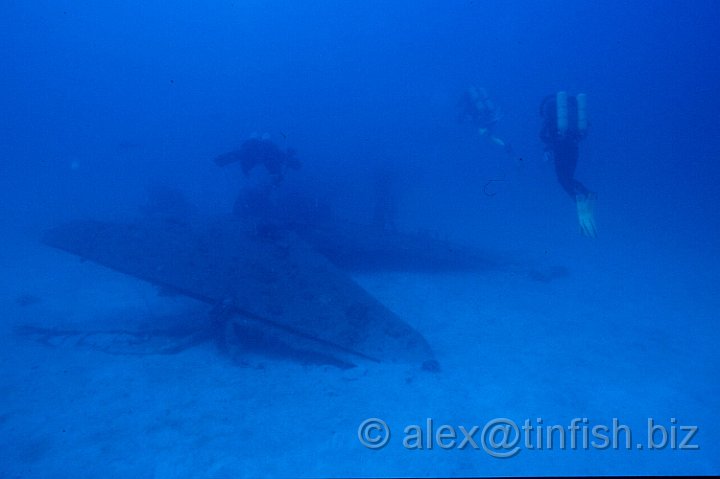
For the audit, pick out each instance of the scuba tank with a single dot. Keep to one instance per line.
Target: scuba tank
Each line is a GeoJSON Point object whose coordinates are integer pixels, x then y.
{"type": "Point", "coordinates": [564, 116]}
{"type": "Point", "coordinates": [561, 106]}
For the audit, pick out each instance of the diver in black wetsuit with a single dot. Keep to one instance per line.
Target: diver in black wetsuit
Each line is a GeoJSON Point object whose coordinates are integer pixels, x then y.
{"type": "Point", "coordinates": [257, 199]}
{"type": "Point", "coordinates": [261, 151]}
{"type": "Point", "coordinates": [564, 125]}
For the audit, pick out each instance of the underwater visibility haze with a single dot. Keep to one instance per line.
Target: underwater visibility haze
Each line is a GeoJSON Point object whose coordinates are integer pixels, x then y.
{"type": "Point", "coordinates": [341, 239]}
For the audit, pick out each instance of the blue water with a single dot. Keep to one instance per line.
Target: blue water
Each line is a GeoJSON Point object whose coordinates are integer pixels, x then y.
{"type": "Point", "coordinates": [102, 100]}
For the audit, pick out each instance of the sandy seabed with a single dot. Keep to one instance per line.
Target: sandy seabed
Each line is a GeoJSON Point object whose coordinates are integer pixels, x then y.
{"type": "Point", "coordinates": [633, 342]}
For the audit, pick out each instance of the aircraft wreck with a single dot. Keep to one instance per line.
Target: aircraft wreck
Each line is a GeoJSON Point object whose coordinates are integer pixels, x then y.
{"type": "Point", "coordinates": [287, 286]}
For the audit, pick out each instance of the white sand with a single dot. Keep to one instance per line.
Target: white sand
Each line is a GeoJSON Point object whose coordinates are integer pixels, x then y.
{"type": "Point", "coordinates": [625, 336]}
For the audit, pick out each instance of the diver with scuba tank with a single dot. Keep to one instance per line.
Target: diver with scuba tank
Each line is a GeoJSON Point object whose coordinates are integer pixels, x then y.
{"type": "Point", "coordinates": [564, 125]}
{"type": "Point", "coordinates": [476, 108]}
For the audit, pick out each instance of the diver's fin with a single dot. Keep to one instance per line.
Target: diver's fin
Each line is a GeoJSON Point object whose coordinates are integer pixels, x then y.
{"type": "Point", "coordinates": [586, 218]}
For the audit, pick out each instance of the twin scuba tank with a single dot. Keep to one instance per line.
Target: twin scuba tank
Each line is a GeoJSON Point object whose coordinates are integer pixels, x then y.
{"type": "Point", "coordinates": [571, 114]}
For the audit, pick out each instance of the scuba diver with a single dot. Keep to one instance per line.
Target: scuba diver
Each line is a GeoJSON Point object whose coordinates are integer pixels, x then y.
{"type": "Point", "coordinates": [257, 199]}
{"type": "Point", "coordinates": [261, 151]}
{"type": "Point", "coordinates": [564, 125]}
{"type": "Point", "coordinates": [477, 108]}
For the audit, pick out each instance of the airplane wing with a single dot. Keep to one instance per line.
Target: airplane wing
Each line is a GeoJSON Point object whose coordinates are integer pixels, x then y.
{"type": "Point", "coordinates": [274, 280]}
